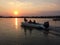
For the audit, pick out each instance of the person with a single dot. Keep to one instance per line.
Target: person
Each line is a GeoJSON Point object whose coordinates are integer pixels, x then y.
{"type": "Point", "coordinates": [34, 22]}
{"type": "Point", "coordinates": [46, 24]}
{"type": "Point", "coordinates": [25, 19]}
{"type": "Point", "coordinates": [30, 21]}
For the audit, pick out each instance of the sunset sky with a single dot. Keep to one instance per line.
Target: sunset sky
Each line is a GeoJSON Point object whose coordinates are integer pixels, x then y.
{"type": "Point", "coordinates": [29, 7]}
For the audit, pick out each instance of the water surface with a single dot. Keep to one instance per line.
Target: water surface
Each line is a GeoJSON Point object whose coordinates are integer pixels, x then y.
{"type": "Point", "coordinates": [11, 33]}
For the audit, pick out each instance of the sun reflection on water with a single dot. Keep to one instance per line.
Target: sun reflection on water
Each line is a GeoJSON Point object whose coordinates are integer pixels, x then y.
{"type": "Point", "coordinates": [16, 23]}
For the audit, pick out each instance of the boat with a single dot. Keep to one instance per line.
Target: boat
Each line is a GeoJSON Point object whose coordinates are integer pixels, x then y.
{"type": "Point", "coordinates": [31, 25]}
{"type": "Point", "coordinates": [56, 19]}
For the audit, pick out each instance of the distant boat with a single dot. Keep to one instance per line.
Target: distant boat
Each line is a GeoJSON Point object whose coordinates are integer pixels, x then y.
{"type": "Point", "coordinates": [56, 19]}
{"type": "Point", "coordinates": [31, 25]}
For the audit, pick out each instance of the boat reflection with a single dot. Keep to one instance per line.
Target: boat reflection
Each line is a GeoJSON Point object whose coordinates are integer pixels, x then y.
{"type": "Point", "coordinates": [27, 29]}
{"type": "Point", "coordinates": [45, 31]}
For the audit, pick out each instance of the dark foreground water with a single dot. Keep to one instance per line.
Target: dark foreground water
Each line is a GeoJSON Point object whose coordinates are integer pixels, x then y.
{"type": "Point", "coordinates": [11, 33]}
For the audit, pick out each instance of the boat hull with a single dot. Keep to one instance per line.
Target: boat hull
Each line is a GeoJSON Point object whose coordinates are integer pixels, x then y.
{"type": "Point", "coordinates": [31, 25]}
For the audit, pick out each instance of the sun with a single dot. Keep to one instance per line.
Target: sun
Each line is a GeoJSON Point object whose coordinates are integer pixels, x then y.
{"type": "Point", "coordinates": [16, 12]}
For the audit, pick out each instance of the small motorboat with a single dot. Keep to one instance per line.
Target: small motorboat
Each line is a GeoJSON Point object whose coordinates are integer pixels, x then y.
{"type": "Point", "coordinates": [32, 25]}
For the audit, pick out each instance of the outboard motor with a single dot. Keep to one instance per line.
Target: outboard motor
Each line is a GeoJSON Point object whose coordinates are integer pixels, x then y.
{"type": "Point", "coordinates": [46, 25]}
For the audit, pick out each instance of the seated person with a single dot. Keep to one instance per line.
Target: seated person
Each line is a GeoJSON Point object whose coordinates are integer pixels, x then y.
{"type": "Point", "coordinates": [34, 22]}
{"type": "Point", "coordinates": [25, 19]}
{"type": "Point", "coordinates": [30, 21]}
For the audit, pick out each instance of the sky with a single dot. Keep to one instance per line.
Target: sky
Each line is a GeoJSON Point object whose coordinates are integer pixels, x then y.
{"type": "Point", "coordinates": [29, 7]}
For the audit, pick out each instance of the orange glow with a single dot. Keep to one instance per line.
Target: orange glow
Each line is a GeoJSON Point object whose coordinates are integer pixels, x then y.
{"type": "Point", "coordinates": [16, 12]}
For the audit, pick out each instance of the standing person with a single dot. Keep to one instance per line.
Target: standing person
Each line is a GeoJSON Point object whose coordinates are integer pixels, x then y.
{"type": "Point", "coordinates": [25, 19]}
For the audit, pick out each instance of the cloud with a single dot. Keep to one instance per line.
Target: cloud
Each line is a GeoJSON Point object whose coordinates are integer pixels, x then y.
{"type": "Point", "coordinates": [45, 13]}
{"type": "Point", "coordinates": [31, 6]}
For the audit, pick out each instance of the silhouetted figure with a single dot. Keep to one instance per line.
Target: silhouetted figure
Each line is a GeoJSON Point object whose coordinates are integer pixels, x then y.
{"type": "Point", "coordinates": [46, 25]}
{"type": "Point", "coordinates": [30, 21]}
{"type": "Point", "coordinates": [34, 22]}
{"type": "Point", "coordinates": [25, 19]}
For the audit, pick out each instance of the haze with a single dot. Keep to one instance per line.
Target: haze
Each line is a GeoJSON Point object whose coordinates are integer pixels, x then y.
{"type": "Point", "coordinates": [29, 7]}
